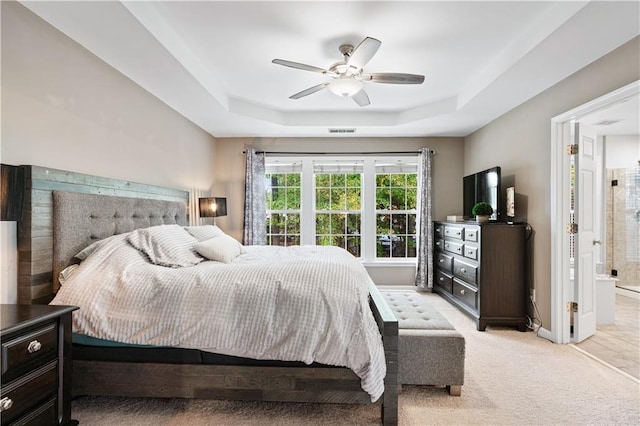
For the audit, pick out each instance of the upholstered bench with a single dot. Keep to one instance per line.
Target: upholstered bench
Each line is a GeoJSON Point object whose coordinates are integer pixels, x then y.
{"type": "Point", "coordinates": [430, 349]}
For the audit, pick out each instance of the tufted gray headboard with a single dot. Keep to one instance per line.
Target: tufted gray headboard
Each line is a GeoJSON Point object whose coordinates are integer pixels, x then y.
{"type": "Point", "coordinates": [81, 219]}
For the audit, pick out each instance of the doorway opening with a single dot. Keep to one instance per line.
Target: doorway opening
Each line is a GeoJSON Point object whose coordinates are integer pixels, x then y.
{"type": "Point", "coordinates": [565, 288]}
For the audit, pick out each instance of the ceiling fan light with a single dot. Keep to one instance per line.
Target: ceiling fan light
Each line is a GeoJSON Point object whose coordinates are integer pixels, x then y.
{"type": "Point", "coordinates": [345, 86]}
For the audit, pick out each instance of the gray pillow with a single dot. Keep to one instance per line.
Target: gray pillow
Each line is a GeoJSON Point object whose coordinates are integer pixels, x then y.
{"type": "Point", "coordinates": [166, 245]}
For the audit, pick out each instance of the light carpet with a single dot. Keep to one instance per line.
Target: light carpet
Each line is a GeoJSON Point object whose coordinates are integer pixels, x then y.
{"type": "Point", "coordinates": [511, 378]}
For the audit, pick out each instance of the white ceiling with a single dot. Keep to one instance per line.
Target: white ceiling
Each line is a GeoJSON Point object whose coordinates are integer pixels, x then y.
{"type": "Point", "coordinates": [621, 118]}
{"type": "Point", "coordinates": [211, 60]}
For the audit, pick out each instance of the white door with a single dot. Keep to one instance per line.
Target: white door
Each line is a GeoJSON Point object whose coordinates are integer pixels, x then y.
{"type": "Point", "coordinates": [584, 289]}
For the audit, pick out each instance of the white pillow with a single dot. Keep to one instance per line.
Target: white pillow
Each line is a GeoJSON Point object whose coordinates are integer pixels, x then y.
{"type": "Point", "coordinates": [166, 245]}
{"type": "Point", "coordinates": [222, 248]}
{"type": "Point", "coordinates": [204, 232]}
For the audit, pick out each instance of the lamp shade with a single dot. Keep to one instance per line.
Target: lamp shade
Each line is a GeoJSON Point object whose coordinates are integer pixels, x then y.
{"type": "Point", "coordinates": [213, 207]}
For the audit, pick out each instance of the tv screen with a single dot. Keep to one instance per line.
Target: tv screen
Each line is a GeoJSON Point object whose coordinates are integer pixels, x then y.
{"type": "Point", "coordinates": [483, 186]}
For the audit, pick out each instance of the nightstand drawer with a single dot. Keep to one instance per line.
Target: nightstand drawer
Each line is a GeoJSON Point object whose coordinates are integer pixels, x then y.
{"type": "Point", "coordinates": [21, 350]}
{"type": "Point", "coordinates": [44, 415]}
{"type": "Point", "coordinates": [24, 394]}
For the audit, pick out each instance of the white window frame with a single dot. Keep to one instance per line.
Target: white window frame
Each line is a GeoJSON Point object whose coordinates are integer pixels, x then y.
{"type": "Point", "coordinates": [368, 203]}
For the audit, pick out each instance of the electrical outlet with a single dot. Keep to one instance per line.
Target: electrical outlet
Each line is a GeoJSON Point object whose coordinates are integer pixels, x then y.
{"type": "Point", "coordinates": [532, 294]}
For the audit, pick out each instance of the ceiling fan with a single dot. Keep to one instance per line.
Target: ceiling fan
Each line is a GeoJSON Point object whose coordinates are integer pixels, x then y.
{"type": "Point", "coordinates": [348, 75]}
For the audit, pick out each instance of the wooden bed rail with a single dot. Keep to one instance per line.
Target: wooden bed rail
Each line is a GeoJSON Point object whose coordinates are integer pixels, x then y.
{"type": "Point", "coordinates": [292, 384]}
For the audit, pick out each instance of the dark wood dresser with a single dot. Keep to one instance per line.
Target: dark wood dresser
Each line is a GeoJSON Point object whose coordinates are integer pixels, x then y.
{"type": "Point", "coordinates": [36, 365]}
{"type": "Point", "coordinates": [480, 268]}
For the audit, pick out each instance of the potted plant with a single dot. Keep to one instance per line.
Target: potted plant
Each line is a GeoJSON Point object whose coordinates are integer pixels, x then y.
{"type": "Point", "coordinates": [482, 211]}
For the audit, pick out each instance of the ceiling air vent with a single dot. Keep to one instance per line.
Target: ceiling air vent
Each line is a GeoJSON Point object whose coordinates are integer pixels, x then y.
{"type": "Point", "coordinates": [606, 122]}
{"type": "Point", "coordinates": [342, 130]}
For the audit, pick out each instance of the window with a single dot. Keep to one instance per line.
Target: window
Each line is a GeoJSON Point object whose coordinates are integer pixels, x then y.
{"type": "Point", "coordinates": [396, 203]}
{"type": "Point", "coordinates": [366, 206]}
{"type": "Point", "coordinates": [338, 204]}
{"type": "Point", "coordinates": [283, 208]}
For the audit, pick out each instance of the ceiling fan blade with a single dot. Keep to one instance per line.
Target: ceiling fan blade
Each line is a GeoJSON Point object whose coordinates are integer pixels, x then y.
{"type": "Point", "coordinates": [310, 90]}
{"type": "Point", "coordinates": [363, 53]}
{"type": "Point", "coordinates": [393, 78]}
{"type": "Point", "coordinates": [361, 98]}
{"type": "Point", "coordinates": [299, 66]}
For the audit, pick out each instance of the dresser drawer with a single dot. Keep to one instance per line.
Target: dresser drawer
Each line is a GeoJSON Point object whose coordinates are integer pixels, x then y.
{"type": "Point", "coordinates": [471, 252]}
{"type": "Point", "coordinates": [438, 231]}
{"type": "Point", "coordinates": [19, 351]}
{"type": "Point", "coordinates": [468, 295]}
{"type": "Point", "coordinates": [456, 232]}
{"type": "Point", "coordinates": [29, 391]}
{"type": "Point", "coordinates": [443, 280]}
{"type": "Point", "coordinates": [439, 244]}
{"type": "Point", "coordinates": [471, 234]}
{"type": "Point", "coordinates": [465, 271]}
{"type": "Point", "coordinates": [453, 247]}
{"type": "Point", "coordinates": [444, 262]}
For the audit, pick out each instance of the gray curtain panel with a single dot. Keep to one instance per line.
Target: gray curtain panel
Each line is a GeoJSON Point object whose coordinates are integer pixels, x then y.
{"type": "Point", "coordinates": [255, 211]}
{"type": "Point", "coordinates": [424, 272]}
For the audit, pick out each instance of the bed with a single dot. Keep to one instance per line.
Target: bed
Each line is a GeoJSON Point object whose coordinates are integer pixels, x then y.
{"type": "Point", "coordinates": [104, 368]}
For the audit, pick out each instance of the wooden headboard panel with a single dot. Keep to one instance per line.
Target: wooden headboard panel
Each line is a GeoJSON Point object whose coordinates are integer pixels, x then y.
{"type": "Point", "coordinates": [35, 231]}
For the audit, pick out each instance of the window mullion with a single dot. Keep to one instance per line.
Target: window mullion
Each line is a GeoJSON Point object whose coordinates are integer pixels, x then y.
{"type": "Point", "coordinates": [368, 211]}
{"type": "Point", "coordinates": [307, 220]}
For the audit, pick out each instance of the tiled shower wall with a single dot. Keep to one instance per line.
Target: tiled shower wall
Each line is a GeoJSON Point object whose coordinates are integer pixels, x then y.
{"type": "Point", "coordinates": [623, 225]}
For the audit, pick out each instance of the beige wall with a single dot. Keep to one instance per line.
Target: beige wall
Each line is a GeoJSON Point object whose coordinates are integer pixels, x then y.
{"type": "Point", "coordinates": [64, 108]}
{"type": "Point", "coordinates": [519, 142]}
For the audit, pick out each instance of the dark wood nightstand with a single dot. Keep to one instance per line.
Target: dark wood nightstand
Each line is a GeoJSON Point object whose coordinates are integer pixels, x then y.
{"type": "Point", "coordinates": [36, 364]}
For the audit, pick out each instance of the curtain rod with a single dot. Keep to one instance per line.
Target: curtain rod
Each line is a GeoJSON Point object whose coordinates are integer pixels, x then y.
{"type": "Point", "coordinates": [337, 153]}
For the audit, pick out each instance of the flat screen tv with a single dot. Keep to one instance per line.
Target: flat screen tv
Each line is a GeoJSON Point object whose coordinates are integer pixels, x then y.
{"type": "Point", "coordinates": [483, 186]}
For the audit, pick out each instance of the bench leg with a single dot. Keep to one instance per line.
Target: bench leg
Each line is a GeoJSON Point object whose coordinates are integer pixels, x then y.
{"type": "Point", "coordinates": [455, 390]}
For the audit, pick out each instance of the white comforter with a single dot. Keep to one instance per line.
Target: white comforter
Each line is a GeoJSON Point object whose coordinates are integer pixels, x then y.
{"type": "Point", "coordinates": [307, 303]}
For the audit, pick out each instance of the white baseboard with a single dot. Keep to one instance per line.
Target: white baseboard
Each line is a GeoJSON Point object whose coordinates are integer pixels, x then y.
{"type": "Point", "coordinates": [628, 293]}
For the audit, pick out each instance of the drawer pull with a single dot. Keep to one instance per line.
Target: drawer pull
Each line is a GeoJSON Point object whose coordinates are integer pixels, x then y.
{"type": "Point", "coordinates": [441, 279]}
{"type": "Point", "coordinates": [464, 271]}
{"type": "Point", "coordinates": [462, 291]}
{"type": "Point", "coordinates": [5, 404]}
{"type": "Point", "coordinates": [34, 346]}
{"type": "Point", "coordinates": [441, 260]}
{"type": "Point", "coordinates": [469, 251]}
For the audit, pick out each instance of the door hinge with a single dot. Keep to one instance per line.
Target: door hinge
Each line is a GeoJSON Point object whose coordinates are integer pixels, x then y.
{"type": "Point", "coordinates": [572, 228]}
{"type": "Point", "coordinates": [572, 306]}
{"type": "Point", "coordinates": [572, 149]}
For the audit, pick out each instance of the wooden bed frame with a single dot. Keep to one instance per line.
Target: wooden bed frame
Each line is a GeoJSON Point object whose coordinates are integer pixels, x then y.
{"type": "Point", "coordinates": [36, 270]}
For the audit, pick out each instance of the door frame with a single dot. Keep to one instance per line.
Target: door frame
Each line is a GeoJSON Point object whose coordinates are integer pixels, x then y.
{"type": "Point", "coordinates": [561, 289]}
